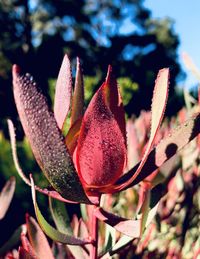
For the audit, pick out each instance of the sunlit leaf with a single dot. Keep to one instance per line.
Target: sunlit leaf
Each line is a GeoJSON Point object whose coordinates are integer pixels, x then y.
{"type": "Point", "coordinates": [159, 101]}
{"type": "Point", "coordinates": [63, 92]}
{"type": "Point", "coordinates": [126, 226]}
{"type": "Point", "coordinates": [101, 151]}
{"type": "Point", "coordinates": [78, 96]}
{"type": "Point", "coordinates": [122, 242]}
{"type": "Point", "coordinates": [190, 65]}
{"type": "Point", "coordinates": [6, 196]}
{"type": "Point", "coordinates": [166, 149]}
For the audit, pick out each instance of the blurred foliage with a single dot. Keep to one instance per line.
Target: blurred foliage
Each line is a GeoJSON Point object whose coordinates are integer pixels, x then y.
{"type": "Point", "coordinates": [35, 35]}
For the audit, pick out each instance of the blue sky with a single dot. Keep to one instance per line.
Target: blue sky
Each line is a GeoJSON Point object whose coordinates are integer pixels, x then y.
{"type": "Point", "coordinates": [186, 15]}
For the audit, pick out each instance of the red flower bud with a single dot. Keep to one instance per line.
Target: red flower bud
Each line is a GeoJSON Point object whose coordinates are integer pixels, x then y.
{"type": "Point", "coordinates": [101, 150]}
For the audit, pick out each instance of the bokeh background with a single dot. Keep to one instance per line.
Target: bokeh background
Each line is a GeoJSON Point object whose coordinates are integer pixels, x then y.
{"type": "Point", "coordinates": [136, 37]}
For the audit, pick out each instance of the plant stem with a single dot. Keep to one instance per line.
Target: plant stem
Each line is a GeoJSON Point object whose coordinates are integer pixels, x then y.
{"type": "Point", "coordinates": [94, 233]}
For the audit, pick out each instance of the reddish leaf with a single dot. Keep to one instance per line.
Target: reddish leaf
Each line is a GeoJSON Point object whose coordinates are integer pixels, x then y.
{"type": "Point", "coordinates": [126, 226]}
{"type": "Point", "coordinates": [24, 254]}
{"type": "Point", "coordinates": [6, 196]}
{"type": "Point", "coordinates": [114, 101]}
{"type": "Point", "coordinates": [45, 138]}
{"type": "Point", "coordinates": [78, 97]}
{"type": "Point", "coordinates": [27, 246]}
{"type": "Point", "coordinates": [158, 108]}
{"type": "Point", "coordinates": [190, 65]}
{"type": "Point", "coordinates": [37, 239]}
{"type": "Point", "coordinates": [63, 92]}
{"type": "Point", "coordinates": [101, 151]}
{"type": "Point", "coordinates": [166, 149]}
{"type": "Point", "coordinates": [132, 144]}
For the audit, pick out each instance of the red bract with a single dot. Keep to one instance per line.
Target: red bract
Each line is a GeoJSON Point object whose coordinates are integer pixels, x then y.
{"type": "Point", "coordinates": [101, 150]}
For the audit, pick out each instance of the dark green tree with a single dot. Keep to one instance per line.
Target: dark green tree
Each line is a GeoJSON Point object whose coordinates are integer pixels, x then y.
{"type": "Point", "coordinates": [35, 35]}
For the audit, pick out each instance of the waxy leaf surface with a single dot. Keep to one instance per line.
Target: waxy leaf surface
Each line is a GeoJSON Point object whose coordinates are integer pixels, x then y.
{"type": "Point", "coordinates": [101, 152]}
{"type": "Point", "coordinates": [159, 101]}
{"type": "Point", "coordinates": [167, 148]}
{"type": "Point", "coordinates": [45, 138]}
{"type": "Point", "coordinates": [63, 92]}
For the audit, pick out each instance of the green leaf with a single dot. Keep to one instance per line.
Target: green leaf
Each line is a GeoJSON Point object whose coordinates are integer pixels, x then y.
{"type": "Point", "coordinates": [122, 242]}
{"type": "Point", "coordinates": [51, 231]}
{"type": "Point", "coordinates": [62, 222]}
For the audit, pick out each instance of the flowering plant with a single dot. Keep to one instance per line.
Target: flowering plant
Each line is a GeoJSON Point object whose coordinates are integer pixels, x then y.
{"type": "Point", "coordinates": [91, 159]}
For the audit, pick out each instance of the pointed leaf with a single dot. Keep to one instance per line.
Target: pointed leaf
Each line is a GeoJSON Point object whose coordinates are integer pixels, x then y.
{"type": "Point", "coordinates": [63, 92]}
{"type": "Point", "coordinates": [52, 194]}
{"type": "Point", "coordinates": [6, 196]}
{"type": "Point", "coordinates": [144, 210]}
{"type": "Point", "coordinates": [52, 232]}
{"type": "Point", "coordinates": [78, 97]}
{"type": "Point", "coordinates": [159, 101]}
{"type": "Point", "coordinates": [166, 149]}
{"type": "Point", "coordinates": [126, 226]}
{"type": "Point", "coordinates": [62, 222]}
{"type": "Point", "coordinates": [110, 238]}
{"type": "Point", "coordinates": [190, 65]}
{"type": "Point", "coordinates": [37, 239]}
{"type": "Point", "coordinates": [101, 151]}
{"type": "Point", "coordinates": [45, 138]}
{"type": "Point", "coordinates": [114, 101]}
